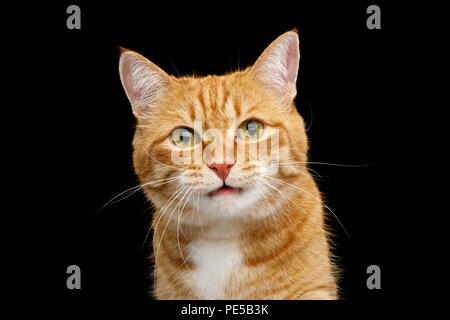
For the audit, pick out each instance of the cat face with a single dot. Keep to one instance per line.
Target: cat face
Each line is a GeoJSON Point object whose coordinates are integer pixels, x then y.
{"type": "Point", "coordinates": [218, 146]}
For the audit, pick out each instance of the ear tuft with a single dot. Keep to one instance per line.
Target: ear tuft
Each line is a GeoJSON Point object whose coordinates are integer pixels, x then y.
{"type": "Point", "coordinates": [277, 67]}
{"type": "Point", "coordinates": [123, 49]}
{"type": "Point", "coordinates": [143, 81]}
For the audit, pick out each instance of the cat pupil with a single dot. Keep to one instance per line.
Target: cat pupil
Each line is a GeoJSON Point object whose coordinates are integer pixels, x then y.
{"type": "Point", "coordinates": [251, 128]}
{"type": "Point", "coordinates": [185, 136]}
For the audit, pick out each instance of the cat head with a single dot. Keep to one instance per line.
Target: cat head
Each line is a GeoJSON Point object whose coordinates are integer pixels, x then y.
{"type": "Point", "coordinates": [218, 146]}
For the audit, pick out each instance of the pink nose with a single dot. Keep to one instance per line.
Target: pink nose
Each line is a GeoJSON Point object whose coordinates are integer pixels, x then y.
{"type": "Point", "coordinates": [221, 169]}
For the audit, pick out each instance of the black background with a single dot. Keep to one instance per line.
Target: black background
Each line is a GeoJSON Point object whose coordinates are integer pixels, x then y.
{"type": "Point", "coordinates": [82, 145]}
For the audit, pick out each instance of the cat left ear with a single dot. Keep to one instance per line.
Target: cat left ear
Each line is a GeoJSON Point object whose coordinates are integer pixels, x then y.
{"type": "Point", "coordinates": [143, 81]}
{"type": "Point", "coordinates": [277, 67]}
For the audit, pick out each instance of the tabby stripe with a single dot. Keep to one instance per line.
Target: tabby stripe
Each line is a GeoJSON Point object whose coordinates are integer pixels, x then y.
{"type": "Point", "coordinates": [201, 101]}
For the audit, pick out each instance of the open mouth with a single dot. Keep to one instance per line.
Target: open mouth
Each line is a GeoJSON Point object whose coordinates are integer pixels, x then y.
{"type": "Point", "coordinates": [224, 189]}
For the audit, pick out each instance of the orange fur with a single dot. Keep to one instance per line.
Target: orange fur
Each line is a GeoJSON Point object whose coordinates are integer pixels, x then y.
{"type": "Point", "coordinates": [277, 246]}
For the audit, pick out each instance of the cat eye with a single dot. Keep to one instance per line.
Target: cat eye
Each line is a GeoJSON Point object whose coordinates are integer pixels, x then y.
{"type": "Point", "coordinates": [250, 130]}
{"type": "Point", "coordinates": [184, 137]}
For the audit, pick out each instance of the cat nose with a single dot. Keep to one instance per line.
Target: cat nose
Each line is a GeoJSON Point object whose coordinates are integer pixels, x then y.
{"type": "Point", "coordinates": [221, 169]}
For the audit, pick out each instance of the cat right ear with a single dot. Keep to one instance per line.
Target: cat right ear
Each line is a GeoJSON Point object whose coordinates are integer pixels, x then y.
{"type": "Point", "coordinates": [143, 81]}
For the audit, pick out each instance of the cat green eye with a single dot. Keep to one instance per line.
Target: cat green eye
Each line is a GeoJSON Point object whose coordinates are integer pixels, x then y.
{"type": "Point", "coordinates": [250, 130]}
{"type": "Point", "coordinates": [184, 137]}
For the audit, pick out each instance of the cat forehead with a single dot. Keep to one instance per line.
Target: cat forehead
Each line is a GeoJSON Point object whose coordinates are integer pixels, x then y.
{"type": "Point", "coordinates": [213, 84]}
{"type": "Point", "coordinates": [216, 98]}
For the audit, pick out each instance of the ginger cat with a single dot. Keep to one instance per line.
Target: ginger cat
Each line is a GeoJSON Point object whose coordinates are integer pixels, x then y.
{"type": "Point", "coordinates": [224, 161]}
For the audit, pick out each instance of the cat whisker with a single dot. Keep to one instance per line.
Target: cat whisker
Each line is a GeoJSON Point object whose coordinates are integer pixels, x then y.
{"type": "Point", "coordinates": [258, 188]}
{"type": "Point", "coordinates": [167, 224]}
{"type": "Point", "coordinates": [129, 192]}
{"type": "Point", "coordinates": [132, 189]}
{"type": "Point", "coordinates": [317, 162]}
{"type": "Point", "coordinates": [330, 164]}
{"type": "Point", "coordinates": [285, 197]}
{"type": "Point", "coordinates": [197, 206]}
{"type": "Point", "coordinates": [312, 172]}
{"type": "Point", "coordinates": [311, 116]}
{"type": "Point", "coordinates": [288, 199]}
{"type": "Point", "coordinates": [178, 227]}
{"type": "Point", "coordinates": [165, 207]}
{"type": "Point", "coordinates": [315, 197]}
{"type": "Point", "coordinates": [173, 65]}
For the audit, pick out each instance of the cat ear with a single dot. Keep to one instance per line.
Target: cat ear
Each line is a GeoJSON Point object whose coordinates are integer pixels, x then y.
{"type": "Point", "coordinates": [277, 67]}
{"type": "Point", "coordinates": [143, 81]}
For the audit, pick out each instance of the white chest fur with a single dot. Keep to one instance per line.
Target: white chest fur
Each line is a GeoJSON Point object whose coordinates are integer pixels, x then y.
{"type": "Point", "coordinates": [215, 261]}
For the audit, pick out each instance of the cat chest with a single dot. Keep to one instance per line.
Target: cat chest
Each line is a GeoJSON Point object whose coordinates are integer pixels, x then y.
{"type": "Point", "coordinates": [215, 262]}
